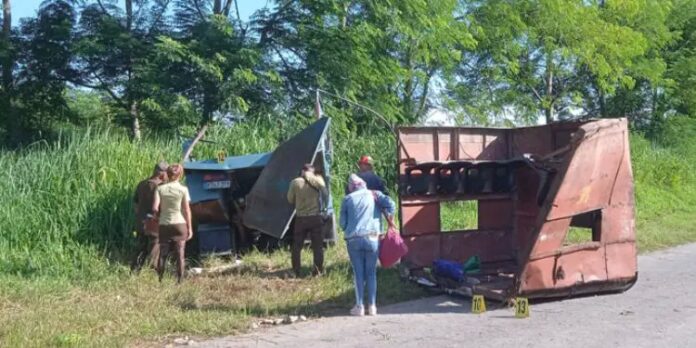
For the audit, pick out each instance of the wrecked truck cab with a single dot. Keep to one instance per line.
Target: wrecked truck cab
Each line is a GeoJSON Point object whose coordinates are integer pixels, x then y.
{"type": "Point", "coordinates": [554, 207]}
{"type": "Point", "coordinates": [241, 202]}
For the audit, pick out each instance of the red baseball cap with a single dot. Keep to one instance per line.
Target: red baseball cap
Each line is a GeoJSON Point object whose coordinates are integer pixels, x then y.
{"type": "Point", "coordinates": [366, 160]}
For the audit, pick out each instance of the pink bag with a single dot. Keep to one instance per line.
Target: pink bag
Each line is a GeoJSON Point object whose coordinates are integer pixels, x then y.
{"type": "Point", "coordinates": [392, 248]}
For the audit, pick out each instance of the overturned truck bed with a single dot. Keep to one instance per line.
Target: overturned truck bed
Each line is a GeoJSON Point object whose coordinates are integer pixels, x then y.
{"type": "Point", "coordinates": [536, 191]}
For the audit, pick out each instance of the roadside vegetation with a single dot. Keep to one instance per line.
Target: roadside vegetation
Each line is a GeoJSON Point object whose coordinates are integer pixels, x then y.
{"type": "Point", "coordinates": [67, 234]}
{"type": "Point", "coordinates": [93, 93]}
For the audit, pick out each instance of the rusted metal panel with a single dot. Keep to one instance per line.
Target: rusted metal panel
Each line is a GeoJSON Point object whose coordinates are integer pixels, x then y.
{"type": "Point", "coordinates": [489, 245]}
{"type": "Point", "coordinates": [422, 250]}
{"type": "Point", "coordinates": [550, 238]}
{"type": "Point", "coordinates": [536, 140]}
{"type": "Point", "coordinates": [621, 260]}
{"type": "Point", "coordinates": [566, 269]}
{"type": "Point", "coordinates": [418, 219]}
{"type": "Point", "coordinates": [495, 214]}
{"type": "Point", "coordinates": [589, 179]}
{"type": "Point", "coordinates": [571, 169]}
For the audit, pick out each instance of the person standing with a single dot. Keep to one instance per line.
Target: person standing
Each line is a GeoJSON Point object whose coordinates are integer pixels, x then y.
{"type": "Point", "coordinates": [305, 194]}
{"type": "Point", "coordinates": [367, 174]}
{"type": "Point", "coordinates": [360, 219]}
{"type": "Point", "coordinates": [171, 203]}
{"type": "Point", "coordinates": [147, 238]}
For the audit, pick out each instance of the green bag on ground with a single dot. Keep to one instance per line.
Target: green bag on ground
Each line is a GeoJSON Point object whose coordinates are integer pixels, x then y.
{"type": "Point", "coordinates": [472, 265]}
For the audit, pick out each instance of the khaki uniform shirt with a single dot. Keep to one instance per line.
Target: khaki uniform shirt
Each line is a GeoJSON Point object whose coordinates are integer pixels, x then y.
{"type": "Point", "coordinates": [304, 197]}
{"type": "Point", "coordinates": [171, 196]}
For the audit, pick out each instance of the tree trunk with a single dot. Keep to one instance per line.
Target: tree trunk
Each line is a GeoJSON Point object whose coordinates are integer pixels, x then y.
{"type": "Point", "coordinates": [133, 103]}
{"type": "Point", "coordinates": [227, 8]}
{"type": "Point", "coordinates": [549, 91]}
{"type": "Point", "coordinates": [135, 119]}
{"type": "Point", "coordinates": [11, 122]}
{"type": "Point", "coordinates": [6, 33]}
{"type": "Point", "coordinates": [217, 7]}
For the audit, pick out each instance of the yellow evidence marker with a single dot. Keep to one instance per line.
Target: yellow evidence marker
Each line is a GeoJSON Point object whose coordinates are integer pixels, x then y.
{"type": "Point", "coordinates": [478, 304]}
{"type": "Point", "coordinates": [521, 307]}
{"type": "Point", "coordinates": [221, 155]}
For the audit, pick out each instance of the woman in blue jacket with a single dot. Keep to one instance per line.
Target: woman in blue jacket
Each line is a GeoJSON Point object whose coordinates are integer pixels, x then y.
{"type": "Point", "coordinates": [360, 220]}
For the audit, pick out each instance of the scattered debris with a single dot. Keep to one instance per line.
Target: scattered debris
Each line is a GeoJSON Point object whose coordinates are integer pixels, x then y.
{"type": "Point", "coordinates": [183, 341]}
{"type": "Point", "coordinates": [218, 270]}
{"type": "Point", "coordinates": [290, 319]}
{"type": "Point", "coordinates": [425, 282]}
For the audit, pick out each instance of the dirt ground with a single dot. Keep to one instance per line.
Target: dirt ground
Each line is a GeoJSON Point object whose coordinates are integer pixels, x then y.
{"type": "Point", "coordinates": [659, 311]}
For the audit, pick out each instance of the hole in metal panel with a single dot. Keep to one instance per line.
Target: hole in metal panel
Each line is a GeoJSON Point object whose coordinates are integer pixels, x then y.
{"type": "Point", "coordinates": [458, 215]}
{"type": "Point", "coordinates": [584, 228]}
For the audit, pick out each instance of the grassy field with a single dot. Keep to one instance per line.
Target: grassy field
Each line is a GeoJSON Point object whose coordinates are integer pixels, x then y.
{"type": "Point", "coordinates": [137, 310]}
{"type": "Point", "coordinates": [65, 236]}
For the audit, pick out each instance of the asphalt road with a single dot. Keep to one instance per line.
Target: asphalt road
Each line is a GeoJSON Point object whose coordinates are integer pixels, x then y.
{"type": "Point", "coordinates": [659, 311]}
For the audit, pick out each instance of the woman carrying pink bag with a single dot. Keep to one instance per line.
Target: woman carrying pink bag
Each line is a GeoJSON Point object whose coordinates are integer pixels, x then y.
{"type": "Point", "coordinates": [360, 220]}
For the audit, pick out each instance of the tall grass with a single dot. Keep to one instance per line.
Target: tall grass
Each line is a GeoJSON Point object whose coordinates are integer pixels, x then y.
{"type": "Point", "coordinates": [66, 205]}
{"type": "Point", "coordinates": [66, 208]}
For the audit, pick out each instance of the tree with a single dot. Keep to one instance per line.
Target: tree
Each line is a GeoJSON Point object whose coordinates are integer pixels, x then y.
{"type": "Point", "coordinates": [384, 54]}
{"type": "Point", "coordinates": [114, 47]}
{"type": "Point", "coordinates": [542, 54]}
{"type": "Point", "coordinates": [207, 62]}
{"type": "Point", "coordinates": [680, 55]}
{"type": "Point", "coordinates": [44, 61]}
{"type": "Point", "coordinates": [36, 58]}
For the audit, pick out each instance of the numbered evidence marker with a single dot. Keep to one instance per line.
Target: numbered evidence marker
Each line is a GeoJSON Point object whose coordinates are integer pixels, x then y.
{"type": "Point", "coordinates": [221, 156]}
{"type": "Point", "coordinates": [521, 307]}
{"type": "Point", "coordinates": [478, 304]}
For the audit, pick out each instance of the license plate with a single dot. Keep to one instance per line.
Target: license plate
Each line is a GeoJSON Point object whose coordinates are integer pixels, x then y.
{"type": "Point", "coordinates": [214, 185]}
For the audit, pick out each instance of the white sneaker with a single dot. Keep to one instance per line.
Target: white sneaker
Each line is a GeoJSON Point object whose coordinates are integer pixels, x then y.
{"type": "Point", "coordinates": [372, 310]}
{"type": "Point", "coordinates": [357, 311]}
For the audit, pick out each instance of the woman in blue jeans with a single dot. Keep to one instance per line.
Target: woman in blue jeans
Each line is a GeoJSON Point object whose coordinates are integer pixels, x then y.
{"type": "Point", "coordinates": [360, 220]}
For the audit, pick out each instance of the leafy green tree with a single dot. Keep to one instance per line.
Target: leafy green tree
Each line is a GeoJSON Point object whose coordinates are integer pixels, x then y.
{"type": "Point", "coordinates": [555, 55]}
{"type": "Point", "coordinates": [36, 60]}
{"type": "Point", "coordinates": [207, 68]}
{"type": "Point", "coordinates": [680, 95]}
{"type": "Point", "coordinates": [387, 55]}
{"type": "Point", "coordinates": [114, 49]}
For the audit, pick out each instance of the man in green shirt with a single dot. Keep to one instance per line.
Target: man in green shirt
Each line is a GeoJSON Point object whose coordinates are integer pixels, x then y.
{"type": "Point", "coordinates": [306, 194]}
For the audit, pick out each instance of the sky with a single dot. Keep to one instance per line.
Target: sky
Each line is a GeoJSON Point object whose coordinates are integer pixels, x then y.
{"type": "Point", "coordinates": [28, 8]}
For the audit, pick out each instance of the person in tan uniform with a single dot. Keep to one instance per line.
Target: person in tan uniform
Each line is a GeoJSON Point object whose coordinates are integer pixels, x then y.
{"type": "Point", "coordinates": [147, 238]}
{"type": "Point", "coordinates": [171, 204]}
{"type": "Point", "coordinates": [305, 195]}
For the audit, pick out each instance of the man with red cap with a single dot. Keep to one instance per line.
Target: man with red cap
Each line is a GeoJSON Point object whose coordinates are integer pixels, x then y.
{"type": "Point", "coordinates": [374, 182]}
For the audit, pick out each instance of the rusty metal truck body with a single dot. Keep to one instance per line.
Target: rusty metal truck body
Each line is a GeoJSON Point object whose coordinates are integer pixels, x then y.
{"type": "Point", "coordinates": [532, 186]}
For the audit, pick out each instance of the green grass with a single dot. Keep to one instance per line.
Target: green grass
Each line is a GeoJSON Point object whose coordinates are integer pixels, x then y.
{"type": "Point", "coordinates": [122, 309]}
{"type": "Point", "coordinates": [66, 232]}
{"type": "Point", "coordinates": [459, 215]}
